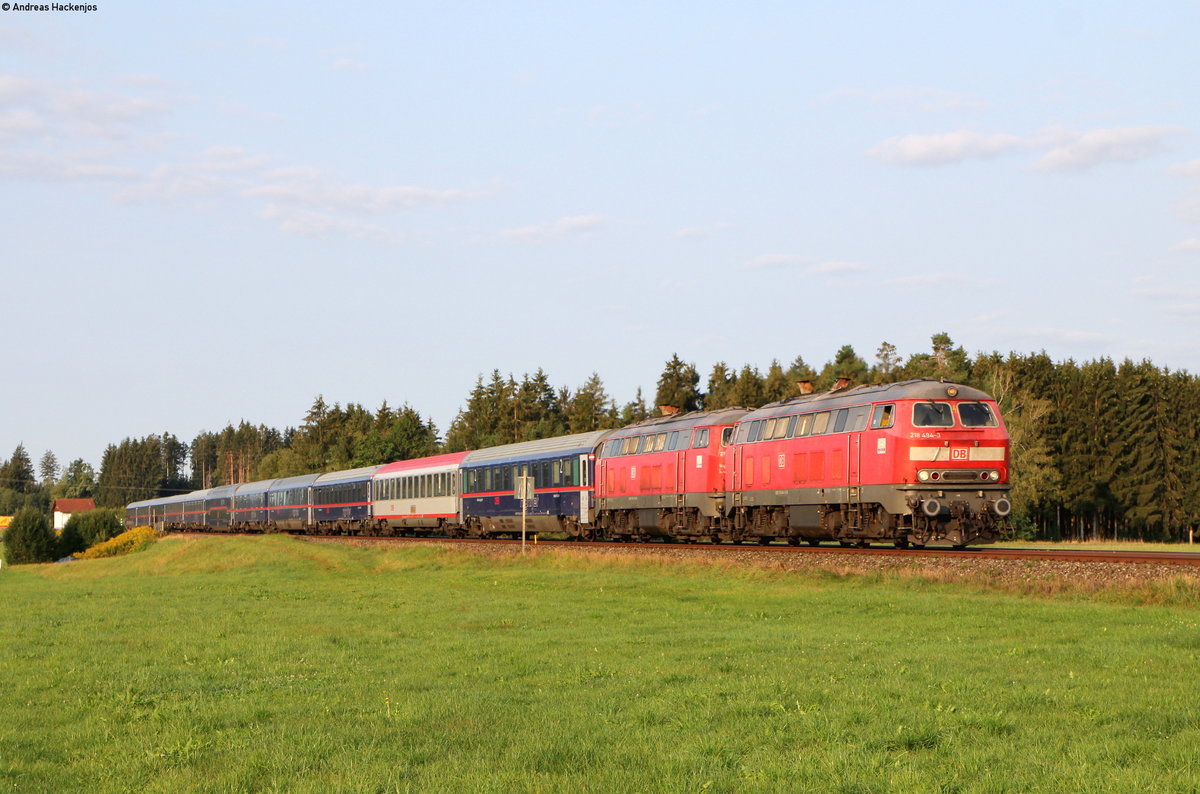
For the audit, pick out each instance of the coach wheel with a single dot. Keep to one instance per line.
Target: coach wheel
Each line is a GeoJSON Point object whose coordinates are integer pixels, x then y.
{"type": "Point", "coordinates": [901, 543]}
{"type": "Point", "coordinates": [845, 544]}
{"type": "Point", "coordinates": [813, 541]}
{"type": "Point", "coordinates": [763, 540]}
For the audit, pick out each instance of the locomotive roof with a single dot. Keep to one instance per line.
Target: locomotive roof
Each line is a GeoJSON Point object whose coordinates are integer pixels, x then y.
{"type": "Point", "coordinates": [662, 424]}
{"type": "Point", "coordinates": [916, 389]}
{"type": "Point", "coordinates": [541, 448]}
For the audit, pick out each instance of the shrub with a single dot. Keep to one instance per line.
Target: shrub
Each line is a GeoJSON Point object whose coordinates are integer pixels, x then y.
{"type": "Point", "coordinates": [135, 539]}
{"type": "Point", "coordinates": [29, 538]}
{"type": "Point", "coordinates": [97, 526]}
{"type": "Point", "coordinates": [71, 541]}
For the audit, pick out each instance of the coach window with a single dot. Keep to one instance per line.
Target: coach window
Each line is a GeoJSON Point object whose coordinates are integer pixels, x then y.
{"type": "Point", "coordinates": [701, 439]}
{"type": "Point", "coordinates": [976, 415]}
{"type": "Point", "coordinates": [931, 414]}
{"type": "Point", "coordinates": [885, 417]}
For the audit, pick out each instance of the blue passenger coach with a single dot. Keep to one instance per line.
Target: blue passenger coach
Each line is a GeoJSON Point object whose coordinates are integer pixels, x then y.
{"type": "Point", "coordinates": [342, 500]}
{"type": "Point", "coordinates": [289, 503]}
{"type": "Point", "coordinates": [562, 470]}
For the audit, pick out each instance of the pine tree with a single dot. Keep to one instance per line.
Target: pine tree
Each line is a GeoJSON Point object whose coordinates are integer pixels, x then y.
{"type": "Point", "coordinates": [677, 386]}
{"type": "Point", "coordinates": [777, 385]}
{"type": "Point", "coordinates": [588, 407]}
{"type": "Point", "coordinates": [48, 468]}
{"type": "Point", "coordinates": [18, 471]}
{"type": "Point", "coordinates": [747, 390]}
{"type": "Point", "coordinates": [719, 391]}
{"type": "Point", "coordinates": [887, 364]}
{"type": "Point", "coordinates": [846, 364]}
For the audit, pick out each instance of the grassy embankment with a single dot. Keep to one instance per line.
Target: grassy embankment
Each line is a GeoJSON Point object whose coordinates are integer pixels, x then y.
{"type": "Point", "coordinates": [234, 664]}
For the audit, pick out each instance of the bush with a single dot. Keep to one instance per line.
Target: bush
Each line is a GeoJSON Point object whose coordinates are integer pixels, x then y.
{"type": "Point", "coordinates": [90, 528]}
{"type": "Point", "coordinates": [135, 539]}
{"type": "Point", "coordinates": [30, 539]}
{"type": "Point", "coordinates": [70, 540]}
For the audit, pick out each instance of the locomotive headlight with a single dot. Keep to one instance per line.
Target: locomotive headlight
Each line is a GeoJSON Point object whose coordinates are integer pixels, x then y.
{"type": "Point", "coordinates": [994, 475]}
{"type": "Point", "coordinates": [923, 475]}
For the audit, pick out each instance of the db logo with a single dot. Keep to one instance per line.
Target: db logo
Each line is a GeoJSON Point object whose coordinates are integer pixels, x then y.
{"type": "Point", "coordinates": [958, 454]}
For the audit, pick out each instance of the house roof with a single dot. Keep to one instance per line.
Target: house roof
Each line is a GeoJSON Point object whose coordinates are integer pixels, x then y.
{"type": "Point", "coordinates": [74, 505]}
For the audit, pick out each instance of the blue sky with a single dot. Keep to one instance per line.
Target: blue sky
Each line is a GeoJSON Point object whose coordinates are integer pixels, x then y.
{"type": "Point", "coordinates": [216, 211]}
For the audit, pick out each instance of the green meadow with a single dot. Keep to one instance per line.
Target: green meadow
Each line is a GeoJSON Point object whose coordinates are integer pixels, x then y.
{"type": "Point", "coordinates": [274, 664]}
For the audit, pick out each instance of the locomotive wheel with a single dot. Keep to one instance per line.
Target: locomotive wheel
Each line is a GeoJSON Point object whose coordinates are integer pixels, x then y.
{"type": "Point", "coordinates": [901, 543]}
{"type": "Point", "coordinates": [813, 541]}
{"type": "Point", "coordinates": [763, 540]}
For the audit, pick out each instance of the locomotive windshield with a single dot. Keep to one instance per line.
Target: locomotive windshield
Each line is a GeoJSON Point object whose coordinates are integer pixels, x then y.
{"type": "Point", "coordinates": [976, 415]}
{"type": "Point", "coordinates": [933, 415]}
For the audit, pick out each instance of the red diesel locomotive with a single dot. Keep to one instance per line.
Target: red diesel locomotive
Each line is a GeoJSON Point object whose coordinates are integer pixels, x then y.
{"type": "Point", "coordinates": [910, 463]}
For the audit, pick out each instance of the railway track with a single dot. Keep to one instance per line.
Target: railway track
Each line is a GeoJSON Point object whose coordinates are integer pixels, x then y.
{"type": "Point", "coordinates": [1183, 558]}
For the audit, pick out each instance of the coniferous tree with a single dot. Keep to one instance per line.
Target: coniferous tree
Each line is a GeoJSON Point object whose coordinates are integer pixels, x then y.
{"type": "Point", "coordinates": [777, 385]}
{"type": "Point", "coordinates": [48, 468]}
{"type": "Point", "coordinates": [78, 481]}
{"type": "Point", "coordinates": [17, 473]}
{"type": "Point", "coordinates": [719, 391]}
{"type": "Point", "coordinates": [747, 390]}
{"type": "Point", "coordinates": [887, 364]}
{"type": "Point", "coordinates": [635, 411]}
{"type": "Point", "coordinates": [589, 407]}
{"type": "Point", "coordinates": [29, 538]}
{"type": "Point", "coordinates": [846, 364]}
{"type": "Point", "coordinates": [677, 386]}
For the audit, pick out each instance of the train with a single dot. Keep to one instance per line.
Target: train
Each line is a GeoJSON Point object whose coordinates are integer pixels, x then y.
{"type": "Point", "coordinates": [909, 464]}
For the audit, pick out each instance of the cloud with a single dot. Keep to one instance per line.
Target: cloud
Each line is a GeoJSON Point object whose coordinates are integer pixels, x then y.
{"type": "Point", "coordinates": [306, 223]}
{"type": "Point", "coordinates": [1062, 150]}
{"type": "Point", "coordinates": [349, 65]}
{"type": "Point", "coordinates": [1086, 150]}
{"type": "Point", "coordinates": [1190, 170]}
{"type": "Point", "coordinates": [313, 188]}
{"type": "Point", "coordinates": [1187, 245]}
{"type": "Point", "coordinates": [944, 148]}
{"type": "Point", "coordinates": [563, 227]}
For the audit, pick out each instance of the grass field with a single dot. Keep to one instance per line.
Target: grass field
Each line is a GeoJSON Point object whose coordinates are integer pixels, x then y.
{"type": "Point", "coordinates": [272, 664]}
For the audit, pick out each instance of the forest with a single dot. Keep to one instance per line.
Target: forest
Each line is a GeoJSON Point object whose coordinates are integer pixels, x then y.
{"type": "Point", "coordinates": [1099, 449]}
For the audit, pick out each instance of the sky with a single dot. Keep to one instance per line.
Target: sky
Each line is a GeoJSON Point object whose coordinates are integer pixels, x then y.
{"type": "Point", "coordinates": [216, 211]}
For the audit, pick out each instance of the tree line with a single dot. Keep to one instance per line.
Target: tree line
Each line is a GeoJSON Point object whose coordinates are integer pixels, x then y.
{"type": "Point", "coordinates": [1099, 450]}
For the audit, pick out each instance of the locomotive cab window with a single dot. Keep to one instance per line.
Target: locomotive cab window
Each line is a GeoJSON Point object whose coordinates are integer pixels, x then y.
{"type": "Point", "coordinates": [976, 415]}
{"type": "Point", "coordinates": [701, 439]}
{"type": "Point", "coordinates": [885, 417]}
{"type": "Point", "coordinates": [933, 414]}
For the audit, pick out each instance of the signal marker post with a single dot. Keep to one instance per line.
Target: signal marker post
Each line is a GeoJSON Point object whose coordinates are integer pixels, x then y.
{"type": "Point", "coordinates": [524, 492]}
